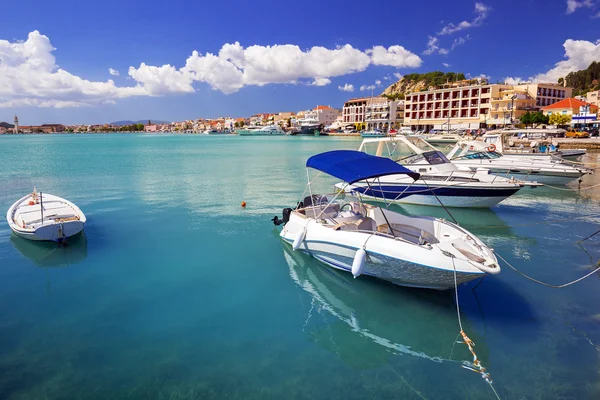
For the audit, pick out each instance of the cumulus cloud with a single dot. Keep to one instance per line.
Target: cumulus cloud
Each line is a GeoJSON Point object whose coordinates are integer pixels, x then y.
{"type": "Point", "coordinates": [377, 83]}
{"type": "Point", "coordinates": [509, 80]}
{"type": "Point", "coordinates": [398, 75]}
{"type": "Point", "coordinates": [367, 87]}
{"type": "Point", "coordinates": [579, 55]}
{"type": "Point", "coordinates": [433, 47]}
{"type": "Point", "coordinates": [113, 72]}
{"type": "Point", "coordinates": [481, 13]}
{"type": "Point", "coordinates": [394, 56]}
{"type": "Point", "coordinates": [573, 5]}
{"type": "Point", "coordinates": [29, 74]}
{"type": "Point", "coordinates": [347, 88]}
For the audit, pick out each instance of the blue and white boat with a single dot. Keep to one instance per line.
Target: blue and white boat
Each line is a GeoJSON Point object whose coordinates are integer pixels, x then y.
{"type": "Point", "coordinates": [440, 182]}
{"type": "Point", "coordinates": [347, 234]}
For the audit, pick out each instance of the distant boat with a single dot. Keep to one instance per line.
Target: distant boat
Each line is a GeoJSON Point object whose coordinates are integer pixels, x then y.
{"type": "Point", "coordinates": [270, 130]}
{"type": "Point", "coordinates": [447, 138]}
{"type": "Point", "coordinates": [373, 133]}
{"type": "Point", "coordinates": [43, 216]}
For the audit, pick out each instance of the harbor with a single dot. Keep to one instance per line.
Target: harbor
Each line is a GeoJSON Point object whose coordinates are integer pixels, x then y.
{"type": "Point", "coordinates": [173, 288]}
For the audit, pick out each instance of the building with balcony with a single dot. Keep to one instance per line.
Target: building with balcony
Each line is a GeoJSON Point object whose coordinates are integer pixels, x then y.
{"type": "Point", "coordinates": [354, 111]}
{"type": "Point", "coordinates": [593, 98]}
{"type": "Point", "coordinates": [380, 113]}
{"type": "Point", "coordinates": [320, 115]}
{"type": "Point", "coordinates": [470, 105]}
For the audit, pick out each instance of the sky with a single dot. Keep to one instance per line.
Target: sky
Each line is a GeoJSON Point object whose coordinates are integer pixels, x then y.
{"type": "Point", "coordinates": [93, 62]}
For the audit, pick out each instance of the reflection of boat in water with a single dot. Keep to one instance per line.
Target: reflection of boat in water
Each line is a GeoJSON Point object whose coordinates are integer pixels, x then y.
{"type": "Point", "coordinates": [376, 319]}
{"type": "Point", "coordinates": [49, 254]}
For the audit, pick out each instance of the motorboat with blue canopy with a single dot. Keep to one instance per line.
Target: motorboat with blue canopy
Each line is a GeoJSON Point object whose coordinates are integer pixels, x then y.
{"type": "Point", "coordinates": [347, 234]}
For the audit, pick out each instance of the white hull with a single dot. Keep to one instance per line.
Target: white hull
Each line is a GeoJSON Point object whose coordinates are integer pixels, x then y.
{"type": "Point", "coordinates": [61, 218]}
{"type": "Point", "coordinates": [528, 173]}
{"type": "Point", "coordinates": [396, 260]}
{"type": "Point", "coordinates": [448, 201]}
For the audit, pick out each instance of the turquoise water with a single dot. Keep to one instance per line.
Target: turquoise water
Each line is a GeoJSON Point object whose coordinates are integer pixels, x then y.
{"type": "Point", "coordinates": [176, 292]}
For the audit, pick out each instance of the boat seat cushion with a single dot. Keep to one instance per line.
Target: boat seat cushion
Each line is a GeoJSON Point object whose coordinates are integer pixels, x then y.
{"type": "Point", "coordinates": [328, 211]}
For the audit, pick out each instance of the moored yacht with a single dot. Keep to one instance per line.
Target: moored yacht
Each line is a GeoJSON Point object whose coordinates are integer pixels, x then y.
{"type": "Point", "coordinates": [269, 130]}
{"type": "Point", "coordinates": [441, 183]}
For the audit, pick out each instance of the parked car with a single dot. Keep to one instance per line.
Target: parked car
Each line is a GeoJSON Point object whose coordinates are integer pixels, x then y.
{"type": "Point", "coordinates": [573, 133]}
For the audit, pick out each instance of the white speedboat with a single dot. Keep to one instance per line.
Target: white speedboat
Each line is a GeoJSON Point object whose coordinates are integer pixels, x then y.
{"type": "Point", "coordinates": [542, 150]}
{"type": "Point", "coordinates": [270, 130]}
{"type": "Point", "coordinates": [477, 154]}
{"type": "Point", "coordinates": [446, 138]}
{"type": "Point", "coordinates": [349, 235]}
{"type": "Point", "coordinates": [441, 183]}
{"type": "Point", "coordinates": [373, 133]}
{"type": "Point", "coordinates": [43, 216]}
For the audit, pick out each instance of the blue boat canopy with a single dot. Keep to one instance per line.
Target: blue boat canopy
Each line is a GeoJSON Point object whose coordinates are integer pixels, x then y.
{"type": "Point", "coordinates": [353, 166]}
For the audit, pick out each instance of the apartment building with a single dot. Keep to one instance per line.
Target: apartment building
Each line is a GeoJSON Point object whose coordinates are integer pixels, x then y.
{"type": "Point", "coordinates": [354, 111]}
{"type": "Point", "coordinates": [380, 113]}
{"type": "Point", "coordinates": [473, 105]}
{"type": "Point", "coordinates": [593, 98]}
{"type": "Point", "coordinates": [320, 115]}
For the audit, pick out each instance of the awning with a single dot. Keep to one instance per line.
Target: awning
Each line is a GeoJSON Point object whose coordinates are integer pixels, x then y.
{"type": "Point", "coordinates": [353, 166]}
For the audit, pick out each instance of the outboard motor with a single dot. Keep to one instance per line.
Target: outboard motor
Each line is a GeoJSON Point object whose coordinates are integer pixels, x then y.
{"type": "Point", "coordinates": [286, 217]}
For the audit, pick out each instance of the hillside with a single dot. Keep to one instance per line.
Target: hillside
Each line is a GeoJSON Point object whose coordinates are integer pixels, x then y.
{"type": "Point", "coordinates": [142, 121]}
{"type": "Point", "coordinates": [416, 82]}
{"type": "Point", "coordinates": [6, 125]}
{"type": "Point", "coordinates": [585, 80]}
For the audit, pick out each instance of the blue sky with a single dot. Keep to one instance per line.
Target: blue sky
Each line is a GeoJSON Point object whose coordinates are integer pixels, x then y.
{"type": "Point", "coordinates": [55, 56]}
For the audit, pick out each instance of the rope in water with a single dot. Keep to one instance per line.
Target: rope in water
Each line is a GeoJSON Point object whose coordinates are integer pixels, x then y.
{"type": "Point", "coordinates": [544, 283]}
{"type": "Point", "coordinates": [478, 368]}
{"type": "Point", "coordinates": [568, 189]}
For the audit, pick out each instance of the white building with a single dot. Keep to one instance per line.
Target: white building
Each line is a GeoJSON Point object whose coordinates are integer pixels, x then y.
{"type": "Point", "coordinates": [320, 115]}
{"type": "Point", "coordinates": [381, 113]}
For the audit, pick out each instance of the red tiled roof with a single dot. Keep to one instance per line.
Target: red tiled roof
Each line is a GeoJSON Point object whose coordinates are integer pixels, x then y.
{"type": "Point", "coordinates": [569, 103]}
{"type": "Point", "coordinates": [322, 108]}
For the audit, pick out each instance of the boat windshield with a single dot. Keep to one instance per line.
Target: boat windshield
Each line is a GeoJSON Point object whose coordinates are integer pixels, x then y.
{"type": "Point", "coordinates": [482, 155]}
{"type": "Point", "coordinates": [429, 157]}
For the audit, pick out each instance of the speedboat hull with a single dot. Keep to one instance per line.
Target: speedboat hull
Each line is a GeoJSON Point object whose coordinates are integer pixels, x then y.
{"type": "Point", "coordinates": [451, 196]}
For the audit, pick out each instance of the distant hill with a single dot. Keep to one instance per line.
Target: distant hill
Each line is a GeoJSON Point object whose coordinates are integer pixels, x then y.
{"type": "Point", "coordinates": [417, 82]}
{"type": "Point", "coordinates": [6, 125]}
{"type": "Point", "coordinates": [142, 121]}
{"type": "Point", "coordinates": [585, 80]}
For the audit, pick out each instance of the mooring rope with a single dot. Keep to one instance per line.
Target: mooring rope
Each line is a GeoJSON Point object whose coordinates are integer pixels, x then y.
{"type": "Point", "coordinates": [478, 368]}
{"type": "Point", "coordinates": [568, 189]}
{"type": "Point", "coordinates": [544, 283]}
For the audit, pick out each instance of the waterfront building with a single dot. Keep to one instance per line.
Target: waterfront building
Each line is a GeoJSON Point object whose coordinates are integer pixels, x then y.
{"type": "Point", "coordinates": [151, 128]}
{"type": "Point", "coordinates": [380, 113]}
{"type": "Point", "coordinates": [581, 112]}
{"type": "Point", "coordinates": [594, 98]}
{"type": "Point", "coordinates": [474, 104]}
{"type": "Point", "coordinates": [353, 112]}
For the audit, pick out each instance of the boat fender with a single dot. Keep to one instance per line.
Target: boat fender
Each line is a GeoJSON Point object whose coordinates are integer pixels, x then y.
{"type": "Point", "coordinates": [358, 264]}
{"type": "Point", "coordinates": [299, 239]}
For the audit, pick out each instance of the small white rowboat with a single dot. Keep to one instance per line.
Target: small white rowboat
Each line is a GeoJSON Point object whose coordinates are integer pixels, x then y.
{"type": "Point", "coordinates": [42, 216]}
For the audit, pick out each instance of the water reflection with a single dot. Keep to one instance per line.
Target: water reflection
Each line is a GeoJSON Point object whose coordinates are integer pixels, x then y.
{"type": "Point", "coordinates": [49, 254]}
{"type": "Point", "coordinates": [376, 320]}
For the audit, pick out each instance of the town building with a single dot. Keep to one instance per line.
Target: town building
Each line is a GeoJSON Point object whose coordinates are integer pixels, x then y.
{"type": "Point", "coordinates": [353, 112]}
{"type": "Point", "coordinates": [151, 128]}
{"type": "Point", "coordinates": [474, 104]}
{"type": "Point", "coordinates": [594, 98]}
{"type": "Point", "coordinates": [581, 112]}
{"type": "Point", "coordinates": [320, 115]}
{"type": "Point", "coordinates": [380, 113]}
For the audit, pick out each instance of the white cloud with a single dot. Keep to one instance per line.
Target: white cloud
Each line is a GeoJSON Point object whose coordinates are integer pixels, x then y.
{"type": "Point", "coordinates": [597, 15]}
{"type": "Point", "coordinates": [481, 13]}
{"type": "Point", "coordinates": [433, 47]}
{"type": "Point", "coordinates": [398, 75]}
{"type": "Point", "coordinates": [29, 74]}
{"type": "Point", "coordinates": [394, 56]}
{"type": "Point", "coordinates": [113, 72]}
{"type": "Point", "coordinates": [367, 87]}
{"type": "Point", "coordinates": [377, 83]}
{"type": "Point", "coordinates": [446, 65]}
{"type": "Point", "coordinates": [347, 88]}
{"type": "Point", "coordinates": [321, 82]}
{"type": "Point", "coordinates": [573, 5]}
{"type": "Point", "coordinates": [458, 41]}
{"type": "Point", "coordinates": [579, 55]}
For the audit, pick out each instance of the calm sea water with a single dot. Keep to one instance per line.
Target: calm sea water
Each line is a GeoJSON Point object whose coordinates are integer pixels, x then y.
{"type": "Point", "coordinates": [176, 292]}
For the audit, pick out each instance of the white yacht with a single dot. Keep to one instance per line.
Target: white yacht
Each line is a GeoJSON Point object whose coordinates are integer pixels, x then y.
{"type": "Point", "coordinates": [541, 148]}
{"type": "Point", "coordinates": [476, 154]}
{"type": "Point", "coordinates": [269, 130]}
{"type": "Point", "coordinates": [363, 239]}
{"type": "Point", "coordinates": [42, 216]}
{"type": "Point", "coordinates": [441, 183]}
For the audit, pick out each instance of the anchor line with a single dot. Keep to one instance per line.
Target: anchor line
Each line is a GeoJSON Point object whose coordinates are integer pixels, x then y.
{"type": "Point", "coordinates": [544, 283]}
{"type": "Point", "coordinates": [477, 366]}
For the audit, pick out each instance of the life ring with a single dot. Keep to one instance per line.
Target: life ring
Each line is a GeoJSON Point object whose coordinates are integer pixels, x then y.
{"type": "Point", "coordinates": [471, 147]}
{"type": "Point", "coordinates": [491, 147]}
{"type": "Point", "coordinates": [468, 131]}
